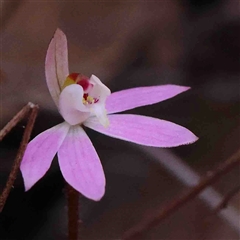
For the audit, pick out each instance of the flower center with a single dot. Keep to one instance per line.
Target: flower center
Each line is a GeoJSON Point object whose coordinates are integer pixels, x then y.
{"type": "Point", "coordinates": [88, 99]}
{"type": "Point", "coordinates": [79, 103]}
{"type": "Point", "coordinates": [83, 81]}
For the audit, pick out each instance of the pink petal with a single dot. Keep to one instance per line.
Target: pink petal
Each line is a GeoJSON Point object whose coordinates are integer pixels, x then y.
{"type": "Point", "coordinates": [80, 164]}
{"type": "Point", "coordinates": [141, 96]}
{"type": "Point", "coordinates": [40, 152]}
{"type": "Point", "coordinates": [50, 72]}
{"type": "Point", "coordinates": [56, 64]}
{"type": "Point", "coordinates": [61, 56]}
{"type": "Point", "coordinates": [144, 130]}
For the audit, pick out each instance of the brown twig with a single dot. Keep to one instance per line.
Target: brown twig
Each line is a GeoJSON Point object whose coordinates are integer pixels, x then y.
{"type": "Point", "coordinates": [16, 119]}
{"type": "Point", "coordinates": [223, 204]}
{"type": "Point", "coordinates": [137, 231]}
{"type": "Point", "coordinates": [73, 212]}
{"type": "Point", "coordinates": [22, 148]}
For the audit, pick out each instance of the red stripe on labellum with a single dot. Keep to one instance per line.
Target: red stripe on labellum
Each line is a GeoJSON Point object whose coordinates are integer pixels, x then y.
{"type": "Point", "coordinates": [85, 95]}
{"type": "Point", "coordinates": [84, 83]}
{"type": "Point", "coordinates": [80, 79]}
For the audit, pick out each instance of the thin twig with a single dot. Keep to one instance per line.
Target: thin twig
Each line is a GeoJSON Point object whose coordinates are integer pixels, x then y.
{"type": "Point", "coordinates": [73, 212]}
{"type": "Point", "coordinates": [21, 150]}
{"type": "Point", "coordinates": [137, 231]}
{"type": "Point", "coordinates": [223, 204]}
{"type": "Point", "coordinates": [15, 120]}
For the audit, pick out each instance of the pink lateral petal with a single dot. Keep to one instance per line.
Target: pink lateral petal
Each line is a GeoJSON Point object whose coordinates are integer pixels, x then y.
{"type": "Point", "coordinates": [56, 64]}
{"type": "Point", "coordinates": [144, 130]}
{"type": "Point", "coordinates": [80, 164]}
{"type": "Point", "coordinates": [141, 96]}
{"type": "Point", "coordinates": [40, 153]}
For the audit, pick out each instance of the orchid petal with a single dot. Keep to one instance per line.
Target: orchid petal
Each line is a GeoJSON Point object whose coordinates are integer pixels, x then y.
{"type": "Point", "coordinates": [61, 56]}
{"type": "Point", "coordinates": [56, 64]}
{"type": "Point", "coordinates": [80, 164]}
{"type": "Point", "coordinates": [50, 72]}
{"type": "Point", "coordinates": [40, 152]}
{"type": "Point", "coordinates": [141, 96]}
{"type": "Point", "coordinates": [100, 91]}
{"type": "Point", "coordinates": [144, 130]}
{"type": "Point", "coordinates": [71, 104]}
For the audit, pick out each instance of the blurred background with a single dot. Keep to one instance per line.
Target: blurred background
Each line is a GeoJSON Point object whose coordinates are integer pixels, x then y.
{"type": "Point", "coordinates": [128, 44]}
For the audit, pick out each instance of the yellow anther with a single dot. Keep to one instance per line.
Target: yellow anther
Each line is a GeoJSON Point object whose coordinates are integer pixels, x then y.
{"type": "Point", "coordinates": [90, 99]}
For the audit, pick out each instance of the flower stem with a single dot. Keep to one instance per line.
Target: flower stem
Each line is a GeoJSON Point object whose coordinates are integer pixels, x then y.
{"type": "Point", "coordinates": [73, 212]}
{"type": "Point", "coordinates": [26, 136]}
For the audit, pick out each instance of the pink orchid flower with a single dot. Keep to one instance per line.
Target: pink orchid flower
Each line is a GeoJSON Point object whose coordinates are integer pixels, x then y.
{"type": "Point", "coordinates": [88, 102]}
